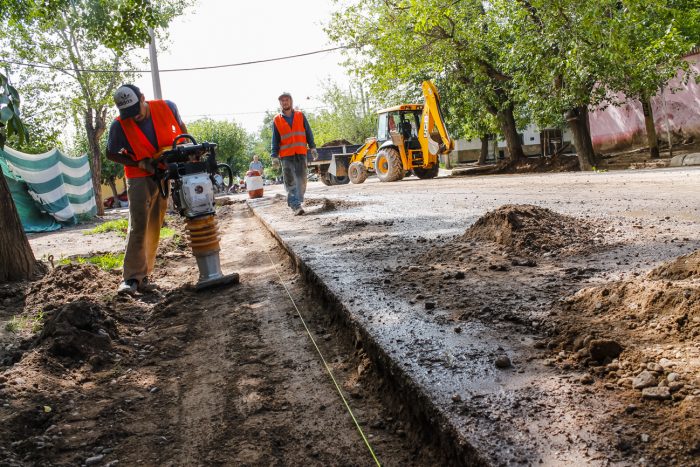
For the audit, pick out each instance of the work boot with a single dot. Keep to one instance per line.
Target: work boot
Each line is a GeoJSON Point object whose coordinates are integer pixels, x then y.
{"type": "Point", "coordinates": [128, 287]}
{"type": "Point", "coordinates": [146, 285]}
{"type": "Point", "coordinates": [299, 211]}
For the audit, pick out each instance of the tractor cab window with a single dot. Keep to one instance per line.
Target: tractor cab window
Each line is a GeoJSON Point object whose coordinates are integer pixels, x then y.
{"type": "Point", "coordinates": [383, 127]}
{"type": "Point", "coordinates": [405, 123]}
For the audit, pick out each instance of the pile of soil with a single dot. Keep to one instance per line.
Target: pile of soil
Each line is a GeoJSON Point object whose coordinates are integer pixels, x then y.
{"type": "Point", "coordinates": [639, 337]}
{"type": "Point", "coordinates": [684, 267]}
{"type": "Point", "coordinates": [562, 163]}
{"type": "Point", "coordinates": [531, 229]}
{"type": "Point", "coordinates": [337, 142]}
{"type": "Point", "coordinates": [71, 282]}
{"type": "Point", "coordinates": [79, 331]}
{"type": "Point", "coordinates": [631, 341]}
{"type": "Point", "coordinates": [325, 205]}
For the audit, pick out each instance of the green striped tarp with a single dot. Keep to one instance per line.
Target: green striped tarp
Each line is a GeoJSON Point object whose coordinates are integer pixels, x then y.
{"type": "Point", "coordinates": [60, 185]}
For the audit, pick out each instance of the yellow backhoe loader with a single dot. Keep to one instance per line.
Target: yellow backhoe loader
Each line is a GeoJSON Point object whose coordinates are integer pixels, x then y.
{"type": "Point", "coordinates": [410, 137]}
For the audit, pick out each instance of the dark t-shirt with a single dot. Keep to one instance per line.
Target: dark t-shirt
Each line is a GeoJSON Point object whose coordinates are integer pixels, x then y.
{"type": "Point", "coordinates": [116, 141]}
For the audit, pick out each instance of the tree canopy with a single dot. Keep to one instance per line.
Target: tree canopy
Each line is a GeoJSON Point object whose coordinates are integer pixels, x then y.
{"type": "Point", "coordinates": [508, 63]}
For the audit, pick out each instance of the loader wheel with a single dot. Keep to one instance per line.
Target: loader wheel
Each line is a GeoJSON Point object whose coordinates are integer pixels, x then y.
{"type": "Point", "coordinates": [388, 166]}
{"type": "Point", "coordinates": [331, 180]}
{"type": "Point", "coordinates": [342, 180]}
{"type": "Point", "coordinates": [422, 173]}
{"type": "Point", "coordinates": [357, 172]}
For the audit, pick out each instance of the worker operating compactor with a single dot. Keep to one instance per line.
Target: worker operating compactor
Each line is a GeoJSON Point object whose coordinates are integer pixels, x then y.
{"type": "Point", "coordinates": [189, 167]}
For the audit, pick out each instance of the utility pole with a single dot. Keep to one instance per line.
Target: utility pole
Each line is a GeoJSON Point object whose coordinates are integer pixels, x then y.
{"type": "Point", "coordinates": [155, 73]}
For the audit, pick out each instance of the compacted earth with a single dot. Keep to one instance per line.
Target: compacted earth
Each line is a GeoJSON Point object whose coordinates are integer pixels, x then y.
{"type": "Point", "coordinates": [226, 376]}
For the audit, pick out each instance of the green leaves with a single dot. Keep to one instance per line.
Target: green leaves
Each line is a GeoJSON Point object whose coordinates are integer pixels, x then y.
{"type": "Point", "coordinates": [543, 57]}
{"type": "Point", "coordinates": [10, 122]}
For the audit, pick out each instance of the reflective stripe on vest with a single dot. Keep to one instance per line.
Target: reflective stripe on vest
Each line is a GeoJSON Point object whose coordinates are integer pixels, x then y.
{"type": "Point", "coordinates": [292, 139]}
{"type": "Point", "coordinates": [166, 128]}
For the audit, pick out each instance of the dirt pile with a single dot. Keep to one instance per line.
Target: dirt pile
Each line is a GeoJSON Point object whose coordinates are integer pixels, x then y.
{"type": "Point", "coordinates": [527, 228]}
{"type": "Point", "coordinates": [79, 330]}
{"type": "Point", "coordinates": [563, 163]}
{"type": "Point", "coordinates": [664, 305]}
{"type": "Point", "coordinates": [337, 142]}
{"type": "Point", "coordinates": [69, 283]}
{"type": "Point", "coordinates": [320, 205]}
{"type": "Point", "coordinates": [684, 267]}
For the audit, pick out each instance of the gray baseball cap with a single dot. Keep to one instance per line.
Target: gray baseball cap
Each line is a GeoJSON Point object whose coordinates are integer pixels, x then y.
{"type": "Point", "coordinates": [284, 94]}
{"type": "Point", "coordinates": [127, 99]}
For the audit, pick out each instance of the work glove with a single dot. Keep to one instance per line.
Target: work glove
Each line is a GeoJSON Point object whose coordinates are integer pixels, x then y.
{"type": "Point", "coordinates": [148, 165]}
{"type": "Point", "coordinates": [275, 162]}
{"type": "Point", "coordinates": [314, 154]}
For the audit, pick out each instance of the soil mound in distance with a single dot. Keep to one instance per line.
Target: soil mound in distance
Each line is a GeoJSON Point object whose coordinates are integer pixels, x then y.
{"type": "Point", "coordinates": [528, 228]}
{"type": "Point", "coordinates": [683, 267]}
{"type": "Point", "coordinates": [337, 142]}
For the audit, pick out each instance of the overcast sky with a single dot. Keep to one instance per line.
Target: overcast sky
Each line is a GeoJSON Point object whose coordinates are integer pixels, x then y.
{"type": "Point", "coordinates": [218, 32]}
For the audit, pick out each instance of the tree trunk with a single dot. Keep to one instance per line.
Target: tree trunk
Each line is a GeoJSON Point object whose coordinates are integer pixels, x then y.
{"type": "Point", "coordinates": [95, 126]}
{"type": "Point", "coordinates": [577, 119]}
{"type": "Point", "coordinates": [113, 185]}
{"type": "Point", "coordinates": [484, 150]}
{"type": "Point", "coordinates": [652, 139]}
{"type": "Point", "coordinates": [16, 255]}
{"type": "Point", "coordinates": [510, 132]}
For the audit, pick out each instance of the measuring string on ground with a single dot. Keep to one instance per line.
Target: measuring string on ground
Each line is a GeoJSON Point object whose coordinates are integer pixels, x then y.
{"type": "Point", "coordinates": [325, 364]}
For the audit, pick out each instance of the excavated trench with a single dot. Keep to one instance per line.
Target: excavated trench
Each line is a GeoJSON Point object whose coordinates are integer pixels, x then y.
{"type": "Point", "coordinates": [399, 392]}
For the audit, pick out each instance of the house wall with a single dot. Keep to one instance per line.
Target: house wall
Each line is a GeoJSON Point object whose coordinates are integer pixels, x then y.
{"type": "Point", "coordinates": [623, 126]}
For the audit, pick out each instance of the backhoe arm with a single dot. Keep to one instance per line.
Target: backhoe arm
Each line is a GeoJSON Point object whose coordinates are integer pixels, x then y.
{"type": "Point", "coordinates": [432, 120]}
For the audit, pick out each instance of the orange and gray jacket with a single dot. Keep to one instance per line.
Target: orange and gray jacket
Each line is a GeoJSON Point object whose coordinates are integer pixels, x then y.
{"type": "Point", "coordinates": [291, 135]}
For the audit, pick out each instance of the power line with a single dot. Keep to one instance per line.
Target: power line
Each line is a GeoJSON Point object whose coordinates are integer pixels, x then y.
{"type": "Point", "coordinates": [211, 67]}
{"type": "Point", "coordinates": [254, 112]}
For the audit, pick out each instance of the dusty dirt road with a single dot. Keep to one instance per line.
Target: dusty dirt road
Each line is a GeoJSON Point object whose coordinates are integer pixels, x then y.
{"type": "Point", "coordinates": [222, 377]}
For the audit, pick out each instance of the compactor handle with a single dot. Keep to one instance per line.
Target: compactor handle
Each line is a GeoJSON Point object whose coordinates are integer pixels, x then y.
{"type": "Point", "coordinates": [183, 136]}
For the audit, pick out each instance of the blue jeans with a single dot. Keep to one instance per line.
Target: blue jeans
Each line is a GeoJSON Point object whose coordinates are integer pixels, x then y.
{"type": "Point", "coordinates": [294, 173]}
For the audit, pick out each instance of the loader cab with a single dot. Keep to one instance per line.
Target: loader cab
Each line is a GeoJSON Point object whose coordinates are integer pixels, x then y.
{"type": "Point", "coordinates": [404, 119]}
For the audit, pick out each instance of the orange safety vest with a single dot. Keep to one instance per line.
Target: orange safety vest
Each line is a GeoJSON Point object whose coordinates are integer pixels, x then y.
{"type": "Point", "coordinates": [166, 128]}
{"type": "Point", "coordinates": [292, 140]}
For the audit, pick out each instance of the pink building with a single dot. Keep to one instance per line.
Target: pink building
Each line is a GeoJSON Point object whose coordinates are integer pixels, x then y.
{"type": "Point", "coordinates": [621, 127]}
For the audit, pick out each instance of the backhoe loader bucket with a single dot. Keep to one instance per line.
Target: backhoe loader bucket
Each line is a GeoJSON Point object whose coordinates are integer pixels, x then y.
{"type": "Point", "coordinates": [338, 166]}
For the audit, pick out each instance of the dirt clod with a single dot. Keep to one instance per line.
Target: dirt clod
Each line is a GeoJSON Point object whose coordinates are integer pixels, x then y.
{"type": "Point", "coordinates": [502, 361]}
{"type": "Point", "coordinates": [601, 349]}
{"type": "Point", "coordinates": [527, 228]}
{"type": "Point", "coordinates": [78, 330]}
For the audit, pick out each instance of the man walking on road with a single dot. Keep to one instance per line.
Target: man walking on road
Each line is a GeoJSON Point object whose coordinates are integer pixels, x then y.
{"type": "Point", "coordinates": [256, 165]}
{"type": "Point", "coordinates": [136, 137]}
{"type": "Point", "coordinates": [291, 134]}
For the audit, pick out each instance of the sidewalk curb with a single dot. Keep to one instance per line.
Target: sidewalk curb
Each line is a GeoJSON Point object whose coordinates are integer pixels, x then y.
{"type": "Point", "coordinates": [685, 160]}
{"type": "Point", "coordinates": [428, 420]}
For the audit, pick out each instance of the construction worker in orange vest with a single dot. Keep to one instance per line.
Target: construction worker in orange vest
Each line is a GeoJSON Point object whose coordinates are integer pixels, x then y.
{"type": "Point", "coordinates": [291, 134]}
{"type": "Point", "coordinates": [142, 129]}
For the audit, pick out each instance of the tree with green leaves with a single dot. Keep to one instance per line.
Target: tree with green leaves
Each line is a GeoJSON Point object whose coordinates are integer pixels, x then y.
{"type": "Point", "coordinates": [347, 115]}
{"type": "Point", "coordinates": [118, 26]}
{"type": "Point", "coordinates": [231, 138]}
{"type": "Point", "coordinates": [649, 51]}
{"type": "Point", "coordinates": [75, 39]}
{"type": "Point", "coordinates": [569, 57]}
{"type": "Point", "coordinates": [398, 43]}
